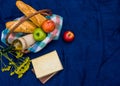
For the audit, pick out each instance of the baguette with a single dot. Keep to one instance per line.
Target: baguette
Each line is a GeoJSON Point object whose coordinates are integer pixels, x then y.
{"type": "Point", "coordinates": [25, 27]}
{"type": "Point", "coordinates": [28, 10]}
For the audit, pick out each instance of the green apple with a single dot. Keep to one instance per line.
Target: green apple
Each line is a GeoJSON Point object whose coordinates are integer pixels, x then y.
{"type": "Point", "coordinates": [39, 34]}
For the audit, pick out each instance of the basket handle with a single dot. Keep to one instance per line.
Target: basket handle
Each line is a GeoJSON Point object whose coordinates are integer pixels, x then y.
{"type": "Point", "coordinates": [44, 12]}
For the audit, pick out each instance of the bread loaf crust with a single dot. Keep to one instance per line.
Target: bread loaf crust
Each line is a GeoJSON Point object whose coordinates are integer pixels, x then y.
{"type": "Point", "coordinates": [28, 10]}
{"type": "Point", "coordinates": [25, 27]}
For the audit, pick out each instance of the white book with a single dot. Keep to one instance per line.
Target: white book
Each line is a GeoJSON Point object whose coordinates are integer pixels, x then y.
{"type": "Point", "coordinates": [46, 64]}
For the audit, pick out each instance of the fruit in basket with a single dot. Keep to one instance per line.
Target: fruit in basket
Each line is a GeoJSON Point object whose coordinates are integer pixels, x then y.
{"type": "Point", "coordinates": [48, 26]}
{"type": "Point", "coordinates": [68, 36]}
{"type": "Point", "coordinates": [39, 34]}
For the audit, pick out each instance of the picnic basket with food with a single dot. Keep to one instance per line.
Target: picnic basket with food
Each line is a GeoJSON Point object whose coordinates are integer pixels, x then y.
{"type": "Point", "coordinates": [29, 33]}
{"type": "Point", "coordinates": [24, 32]}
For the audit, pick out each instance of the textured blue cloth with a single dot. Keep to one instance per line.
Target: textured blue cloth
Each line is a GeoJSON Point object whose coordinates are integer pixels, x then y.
{"type": "Point", "coordinates": [92, 59]}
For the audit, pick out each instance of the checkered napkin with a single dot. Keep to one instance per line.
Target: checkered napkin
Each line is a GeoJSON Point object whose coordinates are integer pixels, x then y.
{"type": "Point", "coordinates": [54, 35]}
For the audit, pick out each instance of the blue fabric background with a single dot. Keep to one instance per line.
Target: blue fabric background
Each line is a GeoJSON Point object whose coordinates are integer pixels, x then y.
{"type": "Point", "coordinates": [92, 59]}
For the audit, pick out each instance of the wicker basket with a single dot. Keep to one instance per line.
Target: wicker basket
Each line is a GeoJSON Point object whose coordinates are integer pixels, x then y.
{"type": "Point", "coordinates": [50, 36]}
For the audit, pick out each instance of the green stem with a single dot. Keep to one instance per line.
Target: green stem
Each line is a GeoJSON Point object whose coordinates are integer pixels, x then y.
{"type": "Point", "coordinates": [6, 56]}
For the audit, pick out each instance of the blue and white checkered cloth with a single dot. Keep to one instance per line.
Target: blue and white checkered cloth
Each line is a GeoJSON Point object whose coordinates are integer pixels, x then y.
{"type": "Point", "coordinates": [38, 45]}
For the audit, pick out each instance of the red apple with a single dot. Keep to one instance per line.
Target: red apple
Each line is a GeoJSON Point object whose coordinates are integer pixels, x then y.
{"type": "Point", "coordinates": [68, 36]}
{"type": "Point", "coordinates": [48, 26]}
